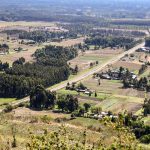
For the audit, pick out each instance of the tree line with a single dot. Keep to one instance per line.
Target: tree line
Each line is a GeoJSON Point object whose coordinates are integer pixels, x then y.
{"type": "Point", "coordinates": [104, 42]}
{"type": "Point", "coordinates": [43, 36]}
{"type": "Point", "coordinates": [116, 33]}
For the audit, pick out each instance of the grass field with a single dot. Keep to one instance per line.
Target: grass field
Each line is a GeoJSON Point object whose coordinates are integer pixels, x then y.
{"type": "Point", "coordinates": [6, 100]}
{"type": "Point", "coordinates": [100, 96]}
{"type": "Point", "coordinates": [26, 121]}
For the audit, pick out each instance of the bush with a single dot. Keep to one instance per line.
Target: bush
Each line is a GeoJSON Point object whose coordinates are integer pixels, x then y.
{"type": "Point", "coordinates": [8, 108]}
{"type": "Point", "coordinates": [46, 119]}
{"type": "Point", "coordinates": [22, 105]}
{"type": "Point", "coordinates": [59, 120]}
{"type": "Point", "coordinates": [145, 139]}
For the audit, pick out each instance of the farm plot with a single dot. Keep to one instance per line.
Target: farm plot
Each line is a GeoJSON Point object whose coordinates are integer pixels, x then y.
{"type": "Point", "coordinates": [132, 66]}
{"type": "Point", "coordinates": [119, 98]}
{"type": "Point", "coordinates": [112, 87]}
{"type": "Point", "coordinates": [118, 103]}
{"type": "Point", "coordinates": [84, 59]}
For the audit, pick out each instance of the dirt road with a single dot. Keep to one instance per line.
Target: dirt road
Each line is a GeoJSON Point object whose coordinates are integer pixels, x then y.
{"type": "Point", "coordinates": [99, 67]}
{"type": "Point", "coordinates": [87, 74]}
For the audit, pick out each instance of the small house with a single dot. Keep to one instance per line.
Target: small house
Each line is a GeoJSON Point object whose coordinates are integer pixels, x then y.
{"type": "Point", "coordinates": [105, 76]}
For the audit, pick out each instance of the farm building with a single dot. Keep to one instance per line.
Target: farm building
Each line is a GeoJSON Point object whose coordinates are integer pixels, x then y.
{"type": "Point", "coordinates": [144, 49]}
{"type": "Point", "coordinates": [115, 75]}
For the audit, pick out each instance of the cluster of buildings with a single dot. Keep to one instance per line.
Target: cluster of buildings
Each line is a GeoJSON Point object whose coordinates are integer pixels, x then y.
{"type": "Point", "coordinates": [115, 75]}
{"type": "Point", "coordinates": [85, 91]}
{"type": "Point", "coordinates": [144, 49]}
{"type": "Point", "coordinates": [102, 115]}
{"type": "Point", "coordinates": [80, 88]}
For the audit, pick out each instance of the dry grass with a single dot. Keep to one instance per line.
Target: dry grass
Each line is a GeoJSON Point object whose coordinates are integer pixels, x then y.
{"type": "Point", "coordinates": [25, 23]}
{"type": "Point", "coordinates": [132, 66]}
{"type": "Point", "coordinates": [69, 42]}
{"type": "Point", "coordinates": [10, 58]}
{"type": "Point", "coordinates": [26, 120]}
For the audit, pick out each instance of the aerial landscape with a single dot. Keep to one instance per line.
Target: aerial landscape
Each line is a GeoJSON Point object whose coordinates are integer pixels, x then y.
{"type": "Point", "coordinates": [74, 75]}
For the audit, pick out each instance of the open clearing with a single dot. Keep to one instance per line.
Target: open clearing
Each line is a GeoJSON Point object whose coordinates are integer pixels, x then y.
{"type": "Point", "coordinates": [68, 42]}
{"type": "Point", "coordinates": [10, 58]}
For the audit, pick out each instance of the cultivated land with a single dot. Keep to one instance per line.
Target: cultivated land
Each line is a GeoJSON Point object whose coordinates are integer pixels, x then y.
{"type": "Point", "coordinates": [87, 73]}
{"type": "Point", "coordinates": [110, 94]}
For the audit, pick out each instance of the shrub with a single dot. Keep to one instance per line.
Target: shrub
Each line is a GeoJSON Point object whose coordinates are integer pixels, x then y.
{"type": "Point", "coordinates": [59, 120]}
{"type": "Point", "coordinates": [46, 119]}
{"type": "Point", "coordinates": [8, 108]}
{"type": "Point", "coordinates": [145, 139]}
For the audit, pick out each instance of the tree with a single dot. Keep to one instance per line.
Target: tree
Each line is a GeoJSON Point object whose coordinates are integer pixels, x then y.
{"type": "Point", "coordinates": [76, 69]}
{"type": "Point", "coordinates": [86, 106]}
{"type": "Point", "coordinates": [91, 65]}
{"type": "Point", "coordinates": [72, 103]}
{"type": "Point", "coordinates": [121, 69]}
{"type": "Point", "coordinates": [62, 104]}
{"type": "Point", "coordinates": [81, 111]}
{"type": "Point", "coordinates": [147, 42]}
{"type": "Point", "coordinates": [95, 94]}
{"type": "Point", "coordinates": [40, 98]}
{"type": "Point", "coordinates": [146, 107]}
{"type": "Point", "coordinates": [81, 86]}
{"type": "Point", "coordinates": [96, 110]}
{"type": "Point", "coordinates": [99, 81]}
{"type": "Point", "coordinates": [97, 62]}
{"type": "Point", "coordinates": [14, 142]}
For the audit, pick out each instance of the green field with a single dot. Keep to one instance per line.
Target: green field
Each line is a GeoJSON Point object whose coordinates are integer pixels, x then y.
{"type": "Point", "coordinates": [100, 96]}
{"type": "Point", "coordinates": [6, 100]}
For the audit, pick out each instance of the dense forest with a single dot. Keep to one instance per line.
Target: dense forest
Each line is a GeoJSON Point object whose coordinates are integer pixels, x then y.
{"type": "Point", "coordinates": [50, 67]}
{"type": "Point", "coordinates": [116, 33]}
